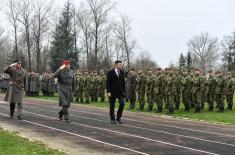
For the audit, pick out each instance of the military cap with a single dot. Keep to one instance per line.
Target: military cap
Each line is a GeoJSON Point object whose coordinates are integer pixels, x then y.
{"type": "Point", "coordinates": [18, 61]}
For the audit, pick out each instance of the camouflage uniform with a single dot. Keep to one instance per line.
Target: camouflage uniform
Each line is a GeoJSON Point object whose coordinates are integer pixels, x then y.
{"type": "Point", "coordinates": [210, 91]}
{"type": "Point", "coordinates": [197, 91]}
{"type": "Point", "coordinates": [178, 87]}
{"type": "Point", "coordinates": [141, 89]}
{"type": "Point", "coordinates": [158, 90]}
{"type": "Point", "coordinates": [220, 91]}
{"type": "Point", "coordinates": [150, 90]}
{"type": "Point", "coordinates": [185, 82]}
{"type": "Point", "coordinates": [230, 86]}
{"type": "Point", "coordinates": [102, 85]}
{"type": "Point", "coordinates": [87, 86]}
{"type": "Point", "coordinates": [170, 91]}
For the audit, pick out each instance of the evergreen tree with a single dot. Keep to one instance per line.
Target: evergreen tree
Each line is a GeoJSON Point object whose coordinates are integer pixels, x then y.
{"type": "Point", "coordinates": [189, 60]}
{"type": "Point", "coordinates": [182, 62]}
{"type": "Point", "coordinates": [63, 40]}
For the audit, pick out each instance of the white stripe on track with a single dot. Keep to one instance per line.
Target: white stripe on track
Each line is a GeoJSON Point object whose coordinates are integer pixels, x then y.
{"type": "Point", "coordinates": [74, 134]}
{"type": "Point", "coordinates": [126, 134]}
{"type": "Point", "coordinates": [137, 127]}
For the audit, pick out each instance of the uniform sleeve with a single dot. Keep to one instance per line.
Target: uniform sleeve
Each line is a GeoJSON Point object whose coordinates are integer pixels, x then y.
{"type": "Point", "coordinates": [8, 70]}
{"type": "Point", "coordinates": [56, 74]}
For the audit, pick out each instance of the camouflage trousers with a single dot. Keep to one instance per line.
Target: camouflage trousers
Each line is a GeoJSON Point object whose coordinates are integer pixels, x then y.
{"type": "Point", "coordinates": [170, 100]}
{"type": "Point", "coordinates": [219, 98]}
{"type": "Point", "coordinates": [229, 99]}
{"type": "Point", "coordinates": [159, 100]}
{"type": "Point", "coordinates": [141, 98]}
{"type": "Point", "coordinates": [177, 100]}
{"type": "Point", "coordinates": [185, 99]}
{"type": "Point", "coordinates": [102, 94]}
{"type": "Point", "coordinates": [210, 100]}
{"type": "Point", "coordinates": [197, 99]}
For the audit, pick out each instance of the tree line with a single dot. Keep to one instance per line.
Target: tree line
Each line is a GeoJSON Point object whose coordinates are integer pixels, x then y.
{"type": "Point", "coordinates": [91, 36]}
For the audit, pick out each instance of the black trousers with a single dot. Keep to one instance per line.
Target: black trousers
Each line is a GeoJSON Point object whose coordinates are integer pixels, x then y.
{"type": "Point", "coordinates": [112, 108]}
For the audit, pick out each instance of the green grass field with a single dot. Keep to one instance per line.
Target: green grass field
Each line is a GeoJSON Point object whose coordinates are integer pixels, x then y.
{"type": "Point", "coordinates": [12, 144]}
{"type": "Point", "coordinates": [226, 117]}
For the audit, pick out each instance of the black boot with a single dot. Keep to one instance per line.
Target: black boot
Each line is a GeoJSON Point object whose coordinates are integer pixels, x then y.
{"type": "Point", "coordinates": [60, 115]}
{"type": "Point", "coordinates": [221, 109]}
{"type": "Point", "coordinates": [230, 106]}
{"type": "Point", "coordinates": [12, 110]}
{"type": "Point", "coordinates": [159, 109]}
{"type": "Point", "coordinates": [150, 108]}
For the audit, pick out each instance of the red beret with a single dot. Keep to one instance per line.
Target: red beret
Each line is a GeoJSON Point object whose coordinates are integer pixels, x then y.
{"type": "Point", "coordinates": [66, 62]}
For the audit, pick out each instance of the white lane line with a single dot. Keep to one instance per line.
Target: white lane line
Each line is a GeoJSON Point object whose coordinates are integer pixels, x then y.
{"type": "Point", "coordinates": [136, 127]}
{"type": "Point", "coordinates": [74, 134]}
{"type": "Point", "coordinates": [187, 123]}
{"type": "Point", "coordinates": [158, 124]}
{"type": "Point", "coordinates": [126, 134]}
{"type": "Point", "coordinates": [169, 119]}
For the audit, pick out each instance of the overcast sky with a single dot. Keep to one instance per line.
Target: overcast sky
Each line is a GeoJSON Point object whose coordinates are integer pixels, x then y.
{"type": "Point", "coordinates": [163, 27]}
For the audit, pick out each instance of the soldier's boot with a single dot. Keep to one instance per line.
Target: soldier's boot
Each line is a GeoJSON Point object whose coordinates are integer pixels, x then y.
{"type": "Point", "coordinates": [186, 108]}
{"type": "Point", "coordinates": [221, 109]}
{"type": "Point", "coordinates": [230, 106]}
{"type": "Point", "coordinates": [177, 106]}
{"type": "Point", "coordinates": [159, 109]}
{"type": "Point", "coordinates": [12, 110]}
{"type": "Point", "coordinates": [202, 106]}
{"type": "Point", "coordinates": [60, 115]}
{"type": "Point", "coordinates": [171, 111]}
{"type": "Point", "coordinates": [196, 109]}
{"type": "Point", "coordinates": [150, 108]}
{"type": "Point", "coordinates": [210, 108]}
{"type": "Point", "coordinates": [141, 106]}
{"type": "Point", "coordinates": [132, 105]}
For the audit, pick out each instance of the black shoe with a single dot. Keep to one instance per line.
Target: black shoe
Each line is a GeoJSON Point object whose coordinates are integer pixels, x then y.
{"type": "Point", "coordinates": [67, 121]}
{"type": "Point", "coordinates": [113, 122]}
{"type": "Point", "coordinates": [60, 116]}
{"type": "Point", "coordinates": [11, 116]}
{"type": "Point", "coordinates": [19, 118]}
{"type": "Point", "coordinates": [119, 121]}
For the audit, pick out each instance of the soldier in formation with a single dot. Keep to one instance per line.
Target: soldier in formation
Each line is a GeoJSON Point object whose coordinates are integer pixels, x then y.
{"type": "Point", "coordinates": [192, 87]}
{"type": "Point", "coordinates": [4, 82]}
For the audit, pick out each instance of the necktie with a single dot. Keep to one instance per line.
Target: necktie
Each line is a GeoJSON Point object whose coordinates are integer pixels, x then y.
{"type": "Point", "coordinates": [118, 73]}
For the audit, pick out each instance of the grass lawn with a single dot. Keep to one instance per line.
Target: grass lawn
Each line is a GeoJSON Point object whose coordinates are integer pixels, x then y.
{"type": "Point", "coordinates": [226, 117]}
{"type": "Point", "coordinates": [12, 144]}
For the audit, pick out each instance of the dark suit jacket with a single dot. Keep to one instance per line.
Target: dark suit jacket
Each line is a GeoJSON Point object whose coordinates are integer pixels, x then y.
{"type": "Point", "coordinates": [115, 85]}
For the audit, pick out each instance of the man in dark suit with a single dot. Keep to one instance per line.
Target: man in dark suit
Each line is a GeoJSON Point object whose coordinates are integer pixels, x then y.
{"type": "Point", "coordinates": [115, 86]}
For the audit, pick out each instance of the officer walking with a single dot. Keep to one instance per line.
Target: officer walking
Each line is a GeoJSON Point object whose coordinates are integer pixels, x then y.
{"type": "Point", "coordinates": [65, 89]}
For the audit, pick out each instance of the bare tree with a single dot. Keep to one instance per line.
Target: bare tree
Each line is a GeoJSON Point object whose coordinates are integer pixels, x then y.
{"type": "Point", "coordinates": [13, 16]}
{"type": "Point", "coordinates": [84, 22]}
{"type": "Point", "coordinates": [100, 10]}
{"type": "Point", "coordinates": [144, 61]}
{"type": "Point", "coordinates": [228, 53]}
{"type": "Point", "coordinates": [25, 16]}
{"type": "Point", "coordinates": [205, 50]}
{"type": "Point", "coordinates": [40, 26]}
{"type": "Point", "coordinates": [5, 49]}
{"type": "Point", "coordinates": [122, 30]}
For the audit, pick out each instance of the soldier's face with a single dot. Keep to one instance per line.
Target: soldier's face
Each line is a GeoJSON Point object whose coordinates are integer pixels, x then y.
{"type": "Point", "coordinates": [18, 66]}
